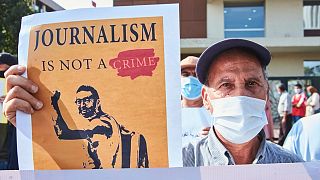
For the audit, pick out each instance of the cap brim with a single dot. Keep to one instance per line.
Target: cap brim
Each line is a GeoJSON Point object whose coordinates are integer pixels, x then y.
{"type": "Point", "coordinates": [208, 56]}
{"type": "Point", "coordinates": [187, 66]}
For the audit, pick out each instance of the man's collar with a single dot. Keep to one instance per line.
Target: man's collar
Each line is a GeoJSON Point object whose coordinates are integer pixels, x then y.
{"type": "Point", "coordinates": [262, 147]}
{"type": "Point", "coordinates": [215, 146]}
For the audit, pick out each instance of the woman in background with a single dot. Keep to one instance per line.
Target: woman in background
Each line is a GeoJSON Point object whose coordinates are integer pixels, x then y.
{"type": "Point", "coordinates": [313, 102]}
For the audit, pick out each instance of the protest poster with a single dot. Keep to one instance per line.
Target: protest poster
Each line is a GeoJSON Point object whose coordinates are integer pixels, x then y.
{"type": "Point", "coordinates": [109, 80]}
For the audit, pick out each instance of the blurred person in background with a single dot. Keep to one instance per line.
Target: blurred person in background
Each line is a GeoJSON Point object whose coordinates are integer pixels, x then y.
{"type": "Point", "coordinates": [284, 110]}
{"type": "Point", "coordinates": [6, 60]}
{"type": "Point", "coordinates": [191, 90]}
{"type": "Point", "coordinates": [298, 103]}
{"type": "Point", "coordinates": [303, 139]}
{"type": "Point", "coordinates": [194, 117]}
{"type": "Point", "coordinates": [190, 85]}
{"type": "Point", "coordinates": [313, 104]}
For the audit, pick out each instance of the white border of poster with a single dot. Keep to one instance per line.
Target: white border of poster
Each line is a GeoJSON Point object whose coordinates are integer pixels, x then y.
{"type": "Point", "coordinates": [170, 14]}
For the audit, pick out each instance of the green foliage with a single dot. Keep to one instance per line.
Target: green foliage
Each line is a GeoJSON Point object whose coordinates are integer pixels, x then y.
{"type": "Point", "coordinates": [10, 21]}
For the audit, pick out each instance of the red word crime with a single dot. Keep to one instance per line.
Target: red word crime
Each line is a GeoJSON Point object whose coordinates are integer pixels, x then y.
{"type": "Point", "coordinates": [135, 63]}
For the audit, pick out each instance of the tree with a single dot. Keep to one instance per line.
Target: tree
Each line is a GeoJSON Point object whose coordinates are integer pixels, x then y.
{"type": "Point", "coordinates": [10, 22]}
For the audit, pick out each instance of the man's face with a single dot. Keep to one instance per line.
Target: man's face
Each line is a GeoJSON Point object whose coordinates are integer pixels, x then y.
{"type": "Point", "coordinates": [297, 89]}
{"type": "Point", "coordinates": [188, 71]}
{"type": "Point", "coordinates": [279, 90]}
{"type": "Point", "coordinates": [87, 104]}
{"type": "Point", "coordinates": [235, 73]}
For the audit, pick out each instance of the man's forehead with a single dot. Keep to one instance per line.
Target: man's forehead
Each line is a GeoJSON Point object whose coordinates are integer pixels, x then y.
{"type": "Point", "coordinates": [234, 58]}
{"type": "Point", "coordinates": [83, 94]}
{"type": "Point", "coordinates": [231, 64]}
{"type": "Point", "coordinates": [188, 69]}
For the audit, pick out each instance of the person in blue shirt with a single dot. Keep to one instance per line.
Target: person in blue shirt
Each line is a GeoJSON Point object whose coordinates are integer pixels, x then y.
{"type": "Point", "coordinates": [303, 139]}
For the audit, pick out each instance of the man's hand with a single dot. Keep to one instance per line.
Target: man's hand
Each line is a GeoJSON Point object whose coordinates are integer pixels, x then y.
{"type": "Point", "coordinates": [205, 131]}
{"type": "Point", "coordinates": [20, 92]}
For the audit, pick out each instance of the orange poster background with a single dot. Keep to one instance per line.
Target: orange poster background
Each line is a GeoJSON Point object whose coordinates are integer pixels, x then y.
{"type": "Point", "coordinates": [137, 104]}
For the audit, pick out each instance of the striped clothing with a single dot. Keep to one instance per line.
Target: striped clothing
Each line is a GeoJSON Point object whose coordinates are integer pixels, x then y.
{"type": "Point", "coordinates": [210, 151]}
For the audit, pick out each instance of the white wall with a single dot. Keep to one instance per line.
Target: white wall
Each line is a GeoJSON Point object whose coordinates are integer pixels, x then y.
{"type": "Point", "coordinates": [289, 64]}
{"type": "Point", "coordinates": [215, 19]}
{"type": "Point", "coordinates": [284, 18]}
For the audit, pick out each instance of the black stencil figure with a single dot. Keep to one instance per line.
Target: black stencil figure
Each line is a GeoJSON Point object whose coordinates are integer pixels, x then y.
{"type": "Point", "coordinates": [110, 145]}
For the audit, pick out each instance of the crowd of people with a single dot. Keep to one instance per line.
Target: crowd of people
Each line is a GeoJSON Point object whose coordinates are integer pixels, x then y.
{"type": "Point", "coordinates": [228, 82]}
{"type": "Point", "coordinates": [228, 132]}
{"type": "Point", "coordinates": [300, 121]}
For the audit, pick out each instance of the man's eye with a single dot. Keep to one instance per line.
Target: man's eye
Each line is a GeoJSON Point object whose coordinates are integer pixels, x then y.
{"type": "Point", "coordinates": [184, 74]}
{"type": "Point", "coordinates": [226, 85]}
{"type": "Point", "coordinates": [252, 83]}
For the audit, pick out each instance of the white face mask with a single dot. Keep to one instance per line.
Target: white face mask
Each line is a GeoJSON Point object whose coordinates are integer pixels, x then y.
{"type": "Point", "coordinates": [297, 91]}
{"type": "Point", "coordinates": [238, 119]}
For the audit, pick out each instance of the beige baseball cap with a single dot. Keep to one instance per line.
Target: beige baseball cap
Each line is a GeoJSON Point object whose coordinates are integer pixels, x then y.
{"type": "Point", "coordinates": [190, 61]}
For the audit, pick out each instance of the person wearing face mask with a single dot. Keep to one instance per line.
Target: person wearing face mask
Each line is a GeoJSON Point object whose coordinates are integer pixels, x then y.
{"type": "Point", "coordinates": [313, 102]}
{"type": "Point", "coordinates": [194, 117]}
{"type": "Point", "coordinates": [235, 92]}
{"type": "Point", "coordinates": [298, 103]}
{"type": "Point", "coordinates": [191, 92]}
{"type": "Point", "coordinates": [190, 85]}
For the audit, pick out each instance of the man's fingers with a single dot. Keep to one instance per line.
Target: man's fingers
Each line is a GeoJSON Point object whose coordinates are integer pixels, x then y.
{"type": "Point", "coordinates": [17, 104]}
{"type": "Point", "coordinates": [15, 80]}
{"type": "Point", "coordinates": [18, 93]}
{"type": "Point", "coordinates": [10, 108]}
{"type": "Point", "coordinates": [15, 70]}
{"type": "Point", "coordinates": [205, 131]}
{"type": "Point", "coordinates": [13, 105]}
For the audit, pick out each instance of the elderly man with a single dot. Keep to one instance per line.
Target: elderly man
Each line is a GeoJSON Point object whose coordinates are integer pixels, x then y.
{"type": "Point", "coordinates": [235, 93]}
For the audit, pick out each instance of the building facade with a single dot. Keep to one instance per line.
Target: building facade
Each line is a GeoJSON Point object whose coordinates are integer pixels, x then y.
{"type": "Point", "coordinates": [290, 29]}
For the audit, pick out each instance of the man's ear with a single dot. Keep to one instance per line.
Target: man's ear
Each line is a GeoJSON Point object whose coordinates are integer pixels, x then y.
{"type": "Point", "coordinates": [268, 90]}
{"type": "Point", "coordinates": [206, 98]}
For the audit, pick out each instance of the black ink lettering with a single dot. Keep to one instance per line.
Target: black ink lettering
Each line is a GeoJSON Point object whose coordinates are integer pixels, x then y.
{"type": "Point", "coordinates": [113, 35]}
{"type": "Point", "coordinates": [44, 37]}
{"type": "Point", "coordinates": [74, 35]}
{"type": "Point", "coordinates": [88, 34]}
{"type": "Point", "coordinates": [58, 36]}
{"type": "Point", "coordinates": [147, 34]}
{"type": "Point", "coordinates": [102, 64]}
{"type": "Point", "coordinates": [102, 34]}
{"type": "Point", "coordinates": [37, 40]}
{"type": "Point", "coordinates": [134, 32]}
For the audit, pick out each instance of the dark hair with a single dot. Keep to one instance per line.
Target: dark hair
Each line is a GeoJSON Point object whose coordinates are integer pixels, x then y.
{"type": "Point", "coordinates": [298, 86]}
{"type": "Point", "coordinates": [89, 88]}
{"type": "Point", "coordinates": [282, 87]}
{"type": "Point", "coordinates": [6, 58]}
